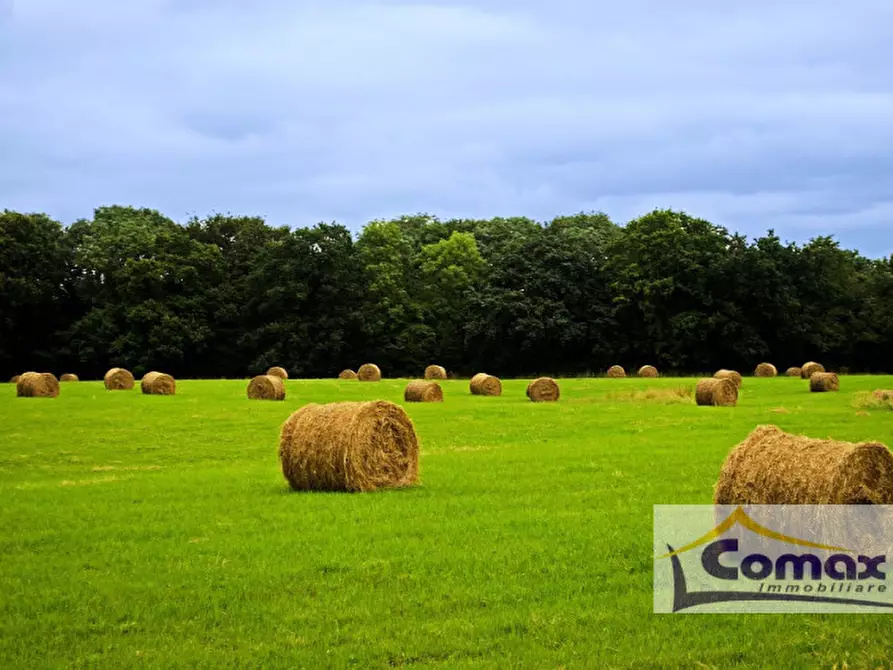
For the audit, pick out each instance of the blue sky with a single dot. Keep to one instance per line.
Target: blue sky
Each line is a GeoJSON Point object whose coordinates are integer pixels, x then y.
{"type": "Point", "coordinates": [754, 114]}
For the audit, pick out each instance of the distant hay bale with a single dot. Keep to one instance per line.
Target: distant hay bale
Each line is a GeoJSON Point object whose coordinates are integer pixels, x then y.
{"type": "Point", "coordinates": [765, 370]}
{"type": "Point", "coordinates": [616, 372]}
{"type": "Point", "coordinates": [276, 371]}
{"type": "Point", "coordinates": [729, 374]}
{"type": "Point", "coordinates": [809, 369]}
{"type": "Point", "coordinates": [435, 372]}
{"type": "Point", "coordinates": [423, 391]}
{"type": "Point", "coordinates": [15, 379]}
{"type": "Point", "coordinates": [118, 379]}
{"type": "Point", "coordinates": [717, 392]}
{"type": "Point", "coordinates": [369, 372]}
{"type": "Point", "coordinates": [484, 384]}
{"type": "Point", "coordinates": [158, 383]}
{"type": "Point", "coordinates": [648, 371]}
{"type": "Point", "coordinates": [821, 382]}
{"type": "Point", "coordinates": [69, 377]}
{"type": "Point", "coordinates": [37, 385]}
{"type": "Point", "coordinates": [772, 467]}
{"type": "Point", "coordinates": [347, 374]}
{"type": "Point", "coordinates": [266, 387]}
{"type": "Point", "coordinates": [349, 446]}
{"type": "Point", "coordinates": [543, 389]}
{"type": "Point", "coordinates": [793, 372]}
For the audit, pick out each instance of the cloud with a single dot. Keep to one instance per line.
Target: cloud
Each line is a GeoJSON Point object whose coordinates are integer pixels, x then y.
{"type": "Point", "coordinates": [756, 116]}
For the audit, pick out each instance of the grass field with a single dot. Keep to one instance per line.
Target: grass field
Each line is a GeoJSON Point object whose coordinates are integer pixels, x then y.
{"type": "Point", "coordinates": [159, 532]}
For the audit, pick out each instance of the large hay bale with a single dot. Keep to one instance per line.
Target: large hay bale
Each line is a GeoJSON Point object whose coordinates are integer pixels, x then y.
{"type": "Point", "coordinates": [266, 387]}
{"type": "Point", "coordinates": [484, 384]}
{"type": "Point", "coordinates": [276, 371]}
{"type": "Point", "coordinates": [15, 379]}
{"type": "Point", "coordinates": [369, 372]}
{"type": "Point", "coordinates": [616, 372]}
{"type": "Point", "coordinates": [37, 385]}
{"type": "Point", "coordinates": [793, 372]}
{"type": "Point", "coordinates": [648, 371]}
{"type": "Point", "coordinates": [435, 372]}
{"type": "Point", "coordinates": [729, 374]}
{"type": "Point", "coordinates": [765, 370]}
{"type": "Point", "coordinates": [717, 392]}
{"type": "Point", "coordinates": [543, 389]}
{"type": "Point", "coordinates": [118, 379]}
{"type": "Point", "coordinates": [347, 374]}
{"type": "Point", "coordinates": [809, 369]}
{"type": "Point", "coordinates": [419, 391]}
{"type": "Point", "coordinates": [821, 382]}
{"type": "Point", "coordinates": [349, 446]}
{"type": "Point", "coordinates": [69, 377]}
{"type": "Point", "coordinates": [158, 383]}
{"type": "Point", "coordinates": [772, 467]}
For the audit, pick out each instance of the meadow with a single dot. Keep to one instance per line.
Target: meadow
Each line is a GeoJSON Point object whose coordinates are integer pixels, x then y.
{"type": "Point", "coordinates": [152, 531]}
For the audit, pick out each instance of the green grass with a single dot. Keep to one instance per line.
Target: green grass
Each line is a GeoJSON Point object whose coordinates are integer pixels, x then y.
{"type": "Point", "coordinates": [158, 532]}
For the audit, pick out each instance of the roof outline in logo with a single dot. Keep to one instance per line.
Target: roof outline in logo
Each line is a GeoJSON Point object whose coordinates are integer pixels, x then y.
{"type": "Point", "coordinates": [740, 517]}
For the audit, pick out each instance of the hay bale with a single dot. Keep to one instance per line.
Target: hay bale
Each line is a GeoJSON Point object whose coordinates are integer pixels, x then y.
{"type": "Point", "coordinates": [821, 382]}
{"type": "Point", "coordinates": [14, 379]}
{"type": "Point", "coordinates": [484, 384]}
{"type": "Point", "coordinates": [37, 385]}
{"type": "Point", "coordinates": [543, 389]}
{"type": "Point", "coordinates": [793, 372]}
{"type": "Point", "coordinates": [266, 387]}
{"type": "Point", "coordinates": [369, 372]}
{"type": "Point", "coordinates": [772, 467]}
{"type": "Point", "coordinates": [68, 377]}
{"type": "Point", "coordinates": [616, 372]}
{"type": "Point", "coordinates": [729, 374]}
{"type": "Point", "coordinates": [419, 391]}
{"type": "Point", "coordinates": [276, 371]}
{"type": "Point", "coordinates": [349, 446]}
{"type": "Point", "coordinates": [809, 369]}
{"type": "Point", "coordinates": [158, 383]}
{"type": "Point", "coordinates": [435, 372]}
{"type": "Point", "coordinates": [118, 379]}
{"type": "Point", "coordinates": [648, 371]}
{"type": "Point", "coordinates": [765, 370]}
{"type": "Point", "coordinates": [717, 392]}
{"type": "Point", "coordinates": [347, 374]}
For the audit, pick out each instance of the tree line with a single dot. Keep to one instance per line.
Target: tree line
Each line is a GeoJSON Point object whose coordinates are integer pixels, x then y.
{"type": "Point", "coordinates": [229, 296]}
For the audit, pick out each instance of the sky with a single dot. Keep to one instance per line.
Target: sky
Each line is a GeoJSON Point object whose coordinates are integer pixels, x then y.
{"type": "Point", "coordinates": [755, 115]}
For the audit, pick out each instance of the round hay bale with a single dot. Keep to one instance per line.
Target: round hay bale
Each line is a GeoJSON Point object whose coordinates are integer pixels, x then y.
{"type": "Point", "coordinates": [716, 392]}
{"type": "Point", "coordinates": [419, 391]}
{"type": "Point", "coordinates": [68, 377]}
{"type": "Point", "coordinates": [266, 387]}
{"type": "Point", "coordinates": [276, 371]}
{"type": "Point", "coordinates": [729, 374]}
{"type": "Point", "coordinates": [821, 382]}
{"type": "Point", "coordinates": [809, 369]}
{"type": "Point", "coordinates": [793, 372]}
{"type": "Point", "coordinates": [435, 372]}
{"type": "Point", "coordinates": [158, 383]}
{"type": "Point", "coordinates": [349, 446]}
{"type": "Point", "coordinates": [616, 372]}
{"type": "Point", "coordinates": [37, 385]}
{"type": "Point", "coordinates": [118, 379]}
{"type": "Point", "coordinates": [369, 372]}
{"type": "Point", "coordinates": [543, 389]}
{"type": "Point", "coordinates": [765, 370]}
{"type": "Point", "coordinates": [772, 467]}
{"type": "Point", "coordinates": [648, 371]}
{"type": "Point", "coordinates": [484, 384]}
{"type": "Point", "coordinates": [15, 379]}
{"type": "Point", "coordinates": [347, 374]}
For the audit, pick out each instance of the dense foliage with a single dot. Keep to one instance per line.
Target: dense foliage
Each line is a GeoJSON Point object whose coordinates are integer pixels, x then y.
{"type": "Point", "coordinates": [229, 296]}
